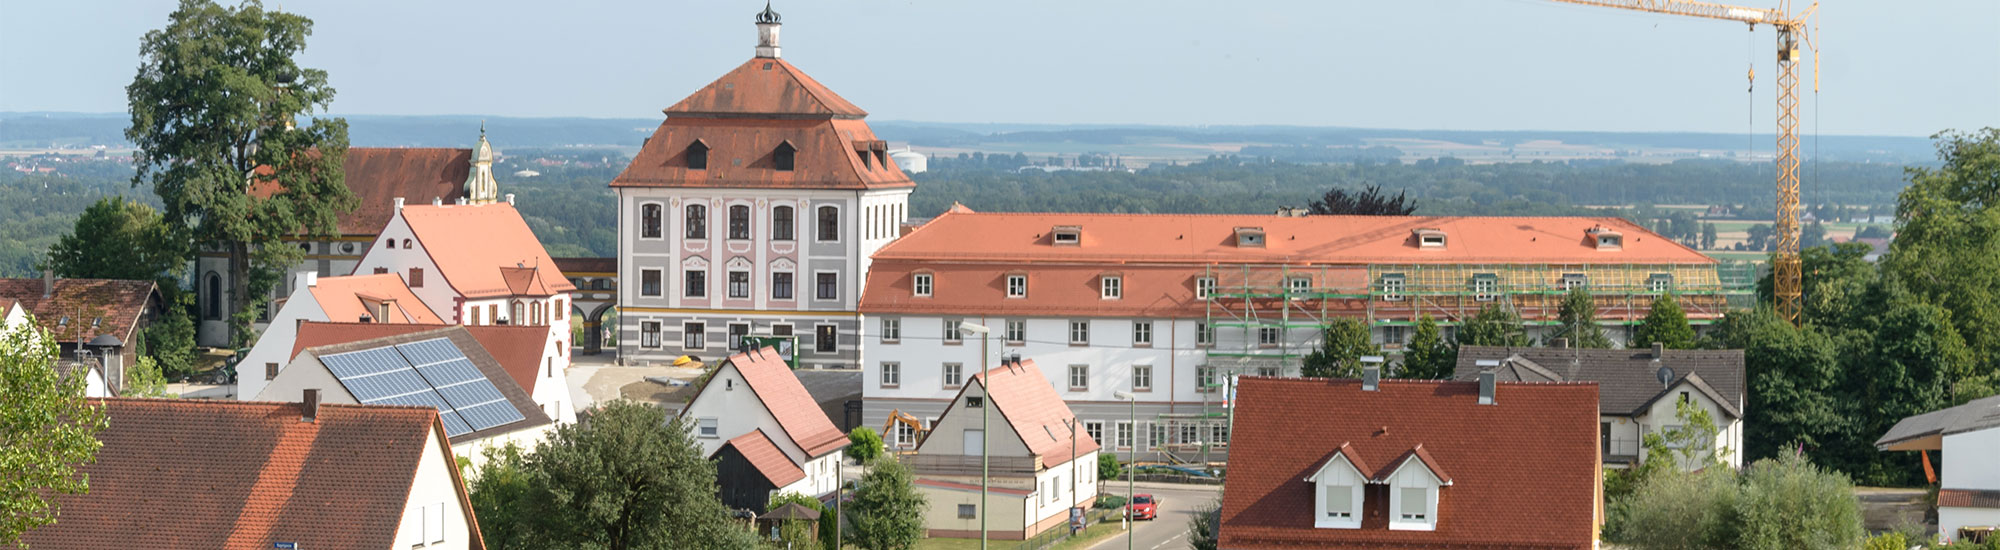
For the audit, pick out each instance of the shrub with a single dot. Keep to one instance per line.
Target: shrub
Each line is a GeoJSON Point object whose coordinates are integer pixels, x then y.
{"type": "Point", "coordinates": [1790, 504]}
{"type": "Point", "coordinates": [1110, 502]}
{"type": "Point", "coordinates": [1678, 512]}
{"type": "Point", "coordinates": [863, 444]}
{"type": "Point", "coordinates": [1107, 466]}
{"type": "Point", "coordinates": [1887, 541]}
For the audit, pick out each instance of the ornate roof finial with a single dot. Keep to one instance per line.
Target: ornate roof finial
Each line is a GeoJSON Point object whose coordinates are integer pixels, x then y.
{"type": "Point", "coordinates": [482, 128]}
{"type": "Point", "coordinates": [767, 16]}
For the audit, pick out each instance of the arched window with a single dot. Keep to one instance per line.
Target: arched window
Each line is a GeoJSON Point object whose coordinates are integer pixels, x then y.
{"type": "Point", "coordinates": [697, 155]}
{"type": "Point", "coordinates": [214, 296]}
{"type": "Point", "coordinates": [392, 243]}
{"type": "Point", "coordinates": [781, 223]}
{"type": "Point", "coordinates": [649, 221]}
{"type": "Point", "coordinates": [519, 315]}
{"type": "Point", "coordinates": [739, 222]}
{"type": "Point", "coordinates": [785, 157]}
{"type": "Point", "coordinates": [829, 224]}
{"type": "Point", "coordinates": [697, 221]}
{"type": "Point", "coordinates": [406, 243]}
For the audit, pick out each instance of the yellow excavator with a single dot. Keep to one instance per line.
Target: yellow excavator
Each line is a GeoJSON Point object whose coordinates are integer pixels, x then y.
{"type": "Point", "coordinates": [917, 429]}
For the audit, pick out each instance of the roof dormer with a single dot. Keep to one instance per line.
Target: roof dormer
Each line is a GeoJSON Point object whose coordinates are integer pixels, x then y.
{"type": "Point", "coordinates": [1429, 238]}
{"type": "Point", "coordinates": [1066, 235]}
{"type": "Point", "coordinates": [1250, 237]}
{"type": "Point", "coordinates": [1338, 494]}
{"type": "Point", "coordinates": [1605, 238]}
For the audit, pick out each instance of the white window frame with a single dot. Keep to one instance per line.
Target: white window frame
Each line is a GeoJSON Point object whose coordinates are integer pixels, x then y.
{"type": "Point", "coordinates": [664, 221]}
{"type": "Point", "coordinates": [818, 337]}
{"type": "Point", "coordinates": [1485, 288]}
{"type": "Point", "coordinates": [708, 427]}
{"type": "Point", "coordinates": [1094, 429]}
{"type": "Point", "coordinates": [953, 375]}
{"type": "Point", "coordinates": [1269, 336]}
{"type": "Point", "coordinates": [1412, 474]}
{"type": "Point", "coordinates": [1079, 377]}
{"type": "Point", "coordinates": [1016, 331]}
{"type": "Point", "coordinates": [836, 285]}
{"type": "Point", "coordinates": [922, 285]}
{"type": "Point", "coordinates": [654, 334]}
{"type": "Point", "coordinates": [1017, 286]}
{"type": "Point", "coordinates": [731, 287]}
{"type": "Point", "coordinates": [1142, 378]}
{"type": "Point", "coordinates": [953, 335]}
{"type": "Point", "coordinates": [1338, 473]}
{"type": "Point", "coordinates": [1204, 287]}
{"type": "Point", "coordinates": [791, 286]}
{"type": "Point", "coordinates": [1124, 434]}
{"type": "Point", "coordinates": [661, 290]}
{"type": "Point", "coordinates": [1204, 334]}
{"type": "Point", "coordinates": [1659, 283]}
{"type": "Point", "coordinates": [892, 330]}
{"type": "Point", "coordinates": [1573, 281]}
{"type": "Point", "coordinates": [1299, 285]}
{"type": "Point", "coordinates": [1111, 287]}
{"type": "Point", "coordinates": [1079, 332]}
{"type": "Point", "coordinates": [1142, 333]}
{"type": "Point", "coordinates": [700, 337]}
{"type": "Point", "coordinates": [890, 374]}
{"type": "Point", "coordinates": [1392, 287]}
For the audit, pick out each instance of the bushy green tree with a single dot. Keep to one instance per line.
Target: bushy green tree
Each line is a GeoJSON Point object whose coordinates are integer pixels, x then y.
{"type": "Point", "coordinates": [828, 535]}
{"type": "Point", "coordinates": [1677, 511]}
{"type": "Point", "coordinates": [1340, 350]}
{"type": "Point", "coordinates": [143, 379]}
{"type": "Point", "coordinates": [499, 489]}
{"type": "Point", "coordinates": [1792, 373]}
{"type": "Point", "coordinates": [1577, 317]}
{"type": "Point", "coordinates": [1205, 526]}
{"type": "Point", "coordinates": [216, 102]}
{"type": "Point", "coordinates": [1108, 466]}
{"type": "Point", "coordinates": [1429, 356]}
{"type": "Point", "coordinates": [1790, 504]}
{"type": "Point", "coordinates": [887, 512]}
{"type": "Point", "coordinates": [1664, 323]}
{"type": "Point", "coordinates": [1493, 326]}
{"type": "Point", "coordinates": [117, 238]}
{"type": "Point", "coordinates": [863, 444]}
{"type": "Point", "coordinates": [1947, 247]}
{"type": "Point", "coordinates": [49, 431]}
{"type": "Point", "coordinates": [624, 477]}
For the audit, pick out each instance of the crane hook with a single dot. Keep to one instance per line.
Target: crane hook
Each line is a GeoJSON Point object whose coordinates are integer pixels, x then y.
{"type": "Point", "coordinates": [1753, 77]}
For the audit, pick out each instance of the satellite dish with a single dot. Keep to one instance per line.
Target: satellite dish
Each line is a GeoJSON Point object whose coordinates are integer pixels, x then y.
{"type": "Point", "coordinates": [1665, 375]}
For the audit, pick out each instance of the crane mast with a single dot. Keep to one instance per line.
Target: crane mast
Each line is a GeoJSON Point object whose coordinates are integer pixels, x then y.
{"type": "Point", "coordinates": [1792, 30]}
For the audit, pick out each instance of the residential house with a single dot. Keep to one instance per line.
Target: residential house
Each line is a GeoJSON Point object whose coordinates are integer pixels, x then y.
{"type": "Point", "coordinates": [1385, 464]}
{"type": "Point", "coordinates": [1967, 438]}
{"type": "Point", "coordinates": [765, 431]}
{"type": "Point", "coordinates": [446, 369]}
{"type": "Point", "coordinates": [254, 476]}
{"type": "Point", "coordinates": [96, 323]}
{"type": "Point", "coordinates": [1640, 391]}
{"type": "Point", "coordinates": [1168, 306]}
{"type": "Point", "coordinates": [1040, 463]}
{"type": "Point", "coordinates": [375, 298]}
{"type": "Point", "coordinates": [753, 209]}
{"type": "Point", "coordinates": [530, 357]}
{"type": "Point", "coordinates": [15, 317]}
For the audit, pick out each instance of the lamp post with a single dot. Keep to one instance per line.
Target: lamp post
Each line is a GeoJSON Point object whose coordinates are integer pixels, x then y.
{"type": "Point", "coordinates": [985, 404]}
{"type": "Point", "coordinates": [1132, 406]}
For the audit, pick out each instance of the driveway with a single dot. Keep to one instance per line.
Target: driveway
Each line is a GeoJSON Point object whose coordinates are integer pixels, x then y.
{"type": "Point", "coordinates": [1177, 504]}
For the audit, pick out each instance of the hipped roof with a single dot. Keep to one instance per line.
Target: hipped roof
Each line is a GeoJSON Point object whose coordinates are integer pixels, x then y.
{"type": "Point", "coordinates": [485, 250]}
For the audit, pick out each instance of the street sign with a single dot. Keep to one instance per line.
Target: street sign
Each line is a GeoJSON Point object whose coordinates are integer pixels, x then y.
{"type": "Point", "coordinates": [1075, 519]}
{"type": "Point", "coordinates": [285, 545]}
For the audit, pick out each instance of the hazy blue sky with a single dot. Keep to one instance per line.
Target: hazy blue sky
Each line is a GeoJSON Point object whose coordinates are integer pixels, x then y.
{"type": "Point", "coordinates": [1891, 67]}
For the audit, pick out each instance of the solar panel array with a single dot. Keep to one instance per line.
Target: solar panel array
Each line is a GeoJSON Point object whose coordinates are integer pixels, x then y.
{"type": "Point", "coordinates": [431, 373]}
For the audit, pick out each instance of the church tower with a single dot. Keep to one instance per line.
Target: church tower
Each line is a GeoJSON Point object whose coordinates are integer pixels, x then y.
{"type": "Point", "coordinates": [480, 187]}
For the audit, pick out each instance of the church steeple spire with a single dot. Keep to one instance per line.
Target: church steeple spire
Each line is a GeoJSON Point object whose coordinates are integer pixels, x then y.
{"type": "Point", "coordinates": [480, 187]}
{"type": "Point", "coordinates": [767, 32]}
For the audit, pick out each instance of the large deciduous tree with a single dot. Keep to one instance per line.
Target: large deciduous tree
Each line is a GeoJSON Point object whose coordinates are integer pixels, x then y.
{"type": "Point", "coordinates": [122, 239]}
{"type": "Point", "coordinates": [215, 107]}
{"type": "Point", "coordinates": [887, 512]}
{"type": "Point", "coordinates": [1340, 350]}
{"type": "Point", "coordinates": [1370, 201]}
{"type": "Point", "coordinates": [1664, 324]}
{"type": "Point", "coordinates": [1429, 356]}
{"type": "Point", "coordinates": [1947, 247]}
{"type": "Point", "coordinates": [1493, 326]}
{"type": "Point", "coordinates": [1578, 319]}
{"type": "Point", "coordinates": [47, 431]}
{"type": "Point", "coordinates": [624, 477]}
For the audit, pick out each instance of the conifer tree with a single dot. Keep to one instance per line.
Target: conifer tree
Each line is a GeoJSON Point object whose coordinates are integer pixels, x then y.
{"type": "Point", "coordinates": [1578, 320]}
{"type": "Point", "coordinates": [1665, 323]}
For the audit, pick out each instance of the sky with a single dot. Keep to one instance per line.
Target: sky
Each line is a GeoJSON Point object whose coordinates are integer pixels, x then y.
{"type": "Point", "coordinates": [1908, 68]}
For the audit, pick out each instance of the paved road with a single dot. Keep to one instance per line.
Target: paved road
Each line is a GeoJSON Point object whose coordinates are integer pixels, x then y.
{"type": "Point", "coordinates": [1177, 507]}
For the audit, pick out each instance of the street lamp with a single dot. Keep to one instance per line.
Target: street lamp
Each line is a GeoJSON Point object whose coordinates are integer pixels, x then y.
{"type": "Point", "coordinates": [985, 404]}
{"type": "Point", "coordinates": [1132, 404]}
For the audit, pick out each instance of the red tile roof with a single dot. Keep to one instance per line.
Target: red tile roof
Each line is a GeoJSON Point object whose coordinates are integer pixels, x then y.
{"type": "Point", "coordinates": [476, 247]}
{"type": "Point", "coordinates": [765, 86]}
{"type": "Point", "coordinates": [379, 175]}
{"type": "Point", "coordinates": [351, 297]}
{"type": "Point", "coordinates": [1033, 410]}
{"type": "Point", "coordinates": [1523, 471]}
{"type": "Point", "coordinates": [242, 475]}
{"type": "Point", "coordinates": [81, 309]}
{"type": "Point", "coordinates": [765, 456]}
{"type": "Point", "coordinates": [518, 348]}
{"type": "Point", "coordinates": [1968, 498]}
{"type": "Point", "coordinates": [798, 415]}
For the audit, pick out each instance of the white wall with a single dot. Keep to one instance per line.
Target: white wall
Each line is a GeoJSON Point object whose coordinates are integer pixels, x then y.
{"type": "Point", "coordinates": [1970, 461]}
{"type": "Point", "coordinates": [274, 345]}
{"type": "Point", "coordinates": [474, 450]}
{"type": "Point", "coordinates": [302, 373]}
{"type": "Point", "coordinates": [434, 486]}
{"type": "Point", "coordinates": [822, 476]}
{"type": "Point", "coordinates": [1663, 415]}
{"type": "Point", "coordinates": [737, 411]}
{"type": "Point", "coordinates": [1950, 519]}
{"type": "Point", "coordinates": [436, 292]}
{"type": "Point", "coordinates": [1057, 480]}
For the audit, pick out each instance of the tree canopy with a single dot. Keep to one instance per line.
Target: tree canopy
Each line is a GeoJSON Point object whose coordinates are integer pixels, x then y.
{"type": "Point", "coordinates": [1665, 324]}
{"type": "Point", "coordinates": [1369, 201]}
{"type": "Point", "coordinates": [49, 430]}
{"type": "Point", "coordinates": [887, 512]}
{"type": "Point", "coordinates": [1577, 318]}
{"type": "Point", "coordinates": [1494, 326]}
{"type": "Point", "coordinates": [1428, 356]}
{"type": "Point", "coordinates": [1340, 350]}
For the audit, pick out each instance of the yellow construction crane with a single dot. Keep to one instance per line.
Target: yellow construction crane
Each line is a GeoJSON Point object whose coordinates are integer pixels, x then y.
{"type": "Point", "coordinates": [1792, 30]}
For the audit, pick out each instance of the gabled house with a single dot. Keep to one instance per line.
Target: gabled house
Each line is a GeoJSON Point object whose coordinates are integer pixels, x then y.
{"type": "Point", "coordinates": [765, 431]}
{"type": "Point", "coordinates": [254, 476]}
{"type": "Point", "coordinates": [1385, 464]}
{"type": "Point", "coordinates": [97, 323]}
{"type": "Point", "coordinates": [14, 317]}
{"type": "Point", "coordinates": [1639, 390]}
{"type": "Point", "coordinates": [379, 298]}
{"type": "Point", "coordinates": [1040, 461]}
{"type": "Point", "coordinates": [528, 355]}
{"type": "Point", "coordinates": [446, 369]}
{"type": "Point", "coordinates": [1967, 438]}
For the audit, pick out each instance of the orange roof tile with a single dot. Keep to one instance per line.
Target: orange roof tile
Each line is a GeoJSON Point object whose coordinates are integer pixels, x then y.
{"type": "Point", "coordinates": [1033, 410]}
{"type": "Point", "coordinates": [1523, 471]}
{"type": "Point", "coordinates": [765, 456]}
{"type": "Point", "coordinates": [81, 309]}
{"type": "Point", "coordinates": [351, 297]}
{"type": "Point", "coordinates": [242, 475]}
{"type": "Point", "coordinates": [518, 348]}
{"type": "Point", "coordinates": [765, 86]}
{"type": "Point", "coordinates": [474, 246]}
{"type": "Point", "coordinates": [741, 154]}
{"type": "Point", "coordinates": [379, 175]}
{"type": "Point", "coordinates": [798, 414]}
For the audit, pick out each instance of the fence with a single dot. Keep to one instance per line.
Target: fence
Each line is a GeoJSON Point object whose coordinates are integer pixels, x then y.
{"type": "Point", "coordinates": [1057, 534]}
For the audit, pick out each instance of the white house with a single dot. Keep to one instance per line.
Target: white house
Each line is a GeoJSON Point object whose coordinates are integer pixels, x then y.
{"type": "Point", "coordinates": [1639, 390]}
{"type": "Point", "coordinates": [267, 475]}
{"type": "Point", "coordinates": [767, 433]}
{"type": "Point", "coordinates": [1041, 464]}
{"type": "Point", "coordinates": [1967, 438]}
{"type": "Point", "coordinates": [375, 298]}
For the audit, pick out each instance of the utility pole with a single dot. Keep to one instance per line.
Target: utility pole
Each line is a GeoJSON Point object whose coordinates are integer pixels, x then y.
{"type": "Point", "coordinates": [985, 405]}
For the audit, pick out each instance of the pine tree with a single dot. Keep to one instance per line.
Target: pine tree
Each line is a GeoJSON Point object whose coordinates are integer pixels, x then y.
{"type": "Point", "coordinates": [1493, 326]}
{"type": "Point", "coordinates": [1578, 320]}
{"type": "Point", "coordinates": [1429, 356]}
{"type": "Point", "coordinates": [1340, 351]}
{"type": "Point", "coordinates": [887, 512]}
{"type": "Point", "coordinates": [1665, 323]}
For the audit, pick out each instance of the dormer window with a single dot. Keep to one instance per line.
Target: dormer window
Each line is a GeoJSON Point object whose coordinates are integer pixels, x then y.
{"type": "Point", "coordinates": [1606, 238]}
{"type": "Point", "coordinates": [697, 155]}
{"type": "Point", "coordinates": [1066, 235]}
{"type": "Point", "coordinates": [1429, 238]}
{"type": "Point", "coordinates": [1338, 492]}
{"type": "Point", "coordinates": [920, 284]}
{"type": "Point", "coordinates": [1250, 237]}
{"type": "Point", "coordinates": [1414, 493]}
{"type": "Point", "coordinates": [785, 157]}
{"type": "Point", "coordinates": [1111, 287]}
{"type": "Point", "coordinates": [882, 158]}
{"type": "Point", "coordinates": [1573, 281]}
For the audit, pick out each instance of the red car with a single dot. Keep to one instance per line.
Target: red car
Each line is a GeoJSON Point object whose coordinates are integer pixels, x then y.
{"type": "Point", "coordinates": [1143, 507]}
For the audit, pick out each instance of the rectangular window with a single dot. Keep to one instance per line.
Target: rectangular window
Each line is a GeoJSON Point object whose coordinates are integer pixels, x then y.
{"type": "Point", "coordinates": [270, 371]}
{"type": "Point", "coordinates": [781, 329]}
{"type": "Point", "coordinates": [1017, 331]}
{"type": "Point", "coordinates": [1156, 435]}
{"type": "Point", "coordinates": [968, 511]}
{"type": "Point", "coordinates": [952, 334]}
{"type": "Point", "coordinates": [1269, 371]}
{"type": "Point", "coordinates": [1340, 501]}
{"type": "Point", "coordinates": [737, 333]}
{"type": "Point", "coordinates": [1394, 334]}
{"type": "Point", "coordinates": [1142, 333]}
{"type": "Point", "coordinates": [649, 334]}
{"type": "Point", "coordinates": [829, 224]}
{"type": "Point", "coordinates": [739, 284]}
{"type": "Point", "coordinates": [1267, 336]}
{"type": "Point", "coordinates": [1079, 377]}
{"type": "Point", "coordinates": [1659, 283]}
{"type": "Point", "coordinates": [1142, 378]}
{"type": "Point", "coordinates": [954, 375]}
{"type": "Point", "coordinates": [709, 428]}
{"type": "Point", "coordinates": [1573, 281]}
{"type": "Point", "coordinates": [906, 436]}
{"type": "Point", "coordinates": [826, 338]}
{"type": "Point", "coordinates": [1190, 433]}
{"type": "Point", "coordinates": [1204, 334]}
{"type": "Point", "coordinates": [1219, 433]}
{"type": "Point", "coordinates": [1017, 286]}
{"type": "Point", "coordinates": [694, 335]}
{"type": "Point", "coordinates": [416, 277]}
{"type": "Point", "coordinates": [920, 284]}
{"type": "Point", "coordinates": [1392, 287]}
{"type": "Point", "coordinates": [829, 286]}
{"type": "Point", "coordinates": [1079, 333]}
{"type": "Point", "coordinates": [649, 221]}
{"type": "Point", "coordinates": [781, 223]}
{"type": "Point", "coordinates": [892, 374]}
{"type": "Point", "coordinates": [1204, 287]}
{"type": "Point", "coordinates": [892, 329]}
{"type": "Point", "coordinates": [696, 284]}
{"type": "Point", "coordinates": [1485, 287]}
{"type": "Point", "coordinates": [1416, 504]}
{"type": "Point", "coordinates": [781, 286]}
{"type": "Point", "coordinates": [739, 222]}
{"type": "Point", "coordinates": [1299, 285]}
{"type": "Point", "coordinates": [1112, 288]}
{"type": "Point", "coordinates": [1204, 378]}
{"type": "Point", "coordinates": [1094, 429]}
{"type": "Point", "coordinates": [1124, 429]}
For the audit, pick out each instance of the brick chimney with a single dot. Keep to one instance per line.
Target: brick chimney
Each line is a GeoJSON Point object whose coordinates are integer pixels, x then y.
{"type": "Point", "coordinates": [1659, 350]}
{"type": "Point", "coordinates": [48, 283]}
{"type": "Point", "coordinates": [310, 407]}
{"type": "Point", "coordinates": [1487, 384]}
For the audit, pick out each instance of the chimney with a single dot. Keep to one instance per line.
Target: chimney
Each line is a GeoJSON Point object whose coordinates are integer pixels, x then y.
{"type": "Point", "coordinates": [308, 279]}
{"type": "Point", "coordinates": [310, 406]}
{"type": "Point", "coordinates": [437, 201]}
{"type": "Point", "coordinates": [399, 204]}
{"type": "Point", "coordinates": [48, 283]}
{"type": "Point", "coordinates": [1659, 350]}
{"type": "Point", "coordinates": [1486, 384]}
{"type": "Point", "coordinates": [1559, 343]}
{"type": "Point", "coordinates": [1371, 378]}
{"type": "Point", "coordinates": [510, 199]}
{"type": "Point", "coordinates": [767, 33]}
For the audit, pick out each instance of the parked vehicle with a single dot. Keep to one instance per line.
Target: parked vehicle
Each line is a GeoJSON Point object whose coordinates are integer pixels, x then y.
{"type": "Point", "coordinates": [1143, 507]}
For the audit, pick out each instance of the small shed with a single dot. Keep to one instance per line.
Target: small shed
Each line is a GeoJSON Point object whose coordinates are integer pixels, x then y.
{"type": "Point", "coordinates": [772, 521]}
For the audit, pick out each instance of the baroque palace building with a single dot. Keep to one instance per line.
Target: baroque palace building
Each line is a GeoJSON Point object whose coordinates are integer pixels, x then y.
{"type": "Point", "coordinates": [752, 210]}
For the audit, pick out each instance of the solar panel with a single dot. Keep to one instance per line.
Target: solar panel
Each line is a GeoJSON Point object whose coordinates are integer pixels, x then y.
{"type": "Point", "coordinates": [431, 373]}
